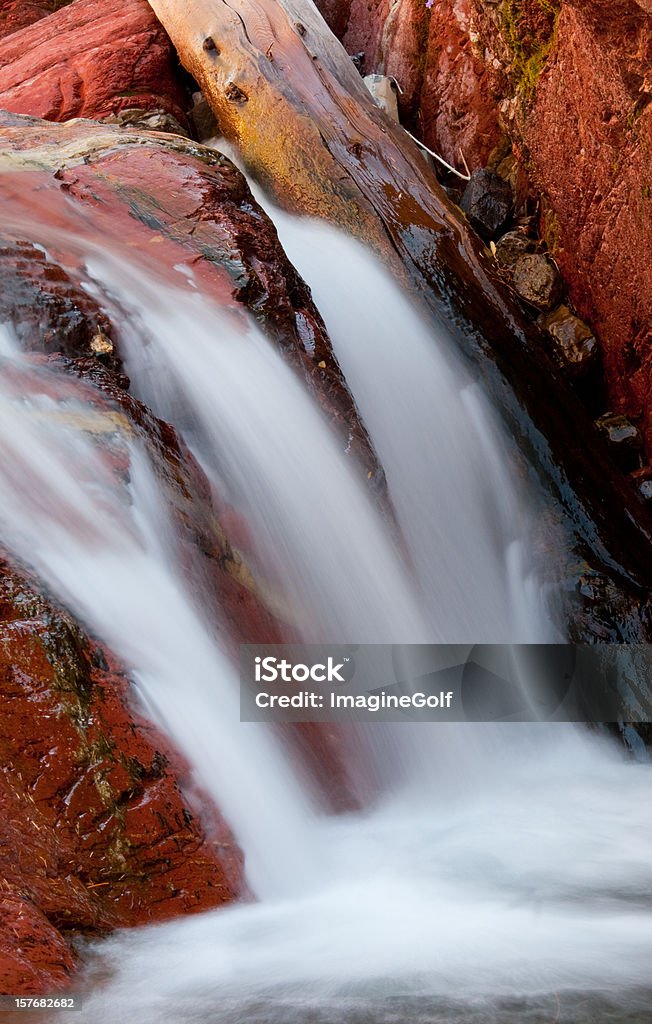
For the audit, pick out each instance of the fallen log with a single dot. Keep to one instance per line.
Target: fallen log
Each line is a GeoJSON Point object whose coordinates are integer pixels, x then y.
{"type": "Point", "coordinates": [286, 93]}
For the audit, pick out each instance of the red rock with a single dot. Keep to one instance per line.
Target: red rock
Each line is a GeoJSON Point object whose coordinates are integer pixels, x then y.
{"type": "Point", "coordinates": [17, 14]}
{"type": "Point", "coordinates": [336, 13]}
{"type": "Point", "coordinates": [35, 959]}
{"type": "Point", "coordinates": [447, 95]}
{"type": "Point", "coordinates": [457, 101]}
{"type": "Point", "coordinates": [98, 818]}
{"type": "Point", "coordinates": [87, 59]}
{"type": "Point", "coordinates": [569, 83]}
{"type": "Point", "coordinates": [581, 123]}
{"type": "Point", "coordinates": [588, 135]}
{"type": "Point", "coordinates": [50, 312]}
{"type": "Point", "coordinates": [364, 29]}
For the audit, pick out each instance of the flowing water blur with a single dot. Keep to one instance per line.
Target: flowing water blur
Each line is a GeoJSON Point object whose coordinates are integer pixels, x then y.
{"type": "Point", "coordinates": [504, 873]}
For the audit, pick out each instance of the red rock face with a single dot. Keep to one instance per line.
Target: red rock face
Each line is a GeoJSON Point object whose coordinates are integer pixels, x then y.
{"type": "Point", "coordinates": [447, 93]}
{"type": "Point", "coordinates": [364, 30]}
{"type": "Point", "coordinates": [17, 14]}
{"type": "Point", "coordinates": [85, 60]}
{"type": "Point", "coordinates": [569, 82]}
{"type": "Point", "coordinates": [336, 13]}
{"type": "Point", "coordinates": [589, 137]}
{"type": "Point", "coordinates": [457, 99]}
{"type": "Point", "coordinates": [99, 824]}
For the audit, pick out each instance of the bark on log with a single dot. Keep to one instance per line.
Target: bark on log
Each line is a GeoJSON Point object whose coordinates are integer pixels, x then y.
{"type": "Point", "coordinates": [287, 94]}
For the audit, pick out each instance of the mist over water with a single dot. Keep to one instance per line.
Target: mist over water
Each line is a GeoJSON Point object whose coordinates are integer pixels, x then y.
{"type": "Point", "coordinates": [503, 873]}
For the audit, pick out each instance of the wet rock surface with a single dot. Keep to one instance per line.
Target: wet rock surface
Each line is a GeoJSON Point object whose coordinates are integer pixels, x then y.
{"type": "Point", "coordinates": [487, 202]}
{"type": "Point", "coordinates": [179, 205]}
{"type": "Point", "coordinates": [510, 247]}
{"type": "Point", "coordinates": [575, 343]}
{"type": "Point", "coordinates": [537, 281]}
{"type": "Point", "coordinates": [100, 823]}
{"type": "Point", "coordinates": [48, 310]}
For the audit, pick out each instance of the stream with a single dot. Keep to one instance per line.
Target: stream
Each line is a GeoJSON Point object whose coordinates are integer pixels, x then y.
{"type": "Point", "coordinates": [501, 873]}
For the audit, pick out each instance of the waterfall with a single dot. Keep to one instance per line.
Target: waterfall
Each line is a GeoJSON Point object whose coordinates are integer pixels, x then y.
{"type": "Point", "coordinates": [509, 868]}
{"type": "Point", "coordinates": [107, 551]}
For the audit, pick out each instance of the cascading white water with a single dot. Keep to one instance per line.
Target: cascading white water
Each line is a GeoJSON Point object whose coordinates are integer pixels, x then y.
{"type": "Point", "coordinates": [517, 871]}
{"type": "Point", "coordinates": [264, 442]}
{"type": "Point", "coordinates": [461, 514]}
{"type": "Point", "coordinates": [106, 552]}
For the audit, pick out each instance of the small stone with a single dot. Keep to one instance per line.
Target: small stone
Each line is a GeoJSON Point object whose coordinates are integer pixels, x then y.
{"type": "Point", "coordinates": [149, 120]}
{"type": "Point", "coordinates": [575, 343]}
{"type": "Point", "coordinates": [620, 431]}
{"type": "Point", "coordinates": [203, 119]}
{"type": "Point", "coordinates": [487, 202]}
{"type": "Point", "coordinates": [510, 247]}
{"type": "Point", "coordinates": [642, 480]}
{"type": "Point", "coordinates": [101, 344]}
{"type": "Point", "coordinates": [384, 93]}
{"type": "Point", "coordinates": [358, 61]}
{"type": "Point", "coordinates": [537, 280]}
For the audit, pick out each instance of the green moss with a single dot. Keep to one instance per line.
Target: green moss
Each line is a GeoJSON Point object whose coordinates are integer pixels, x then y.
{"type": "Point", "coordinates": [530, 30]}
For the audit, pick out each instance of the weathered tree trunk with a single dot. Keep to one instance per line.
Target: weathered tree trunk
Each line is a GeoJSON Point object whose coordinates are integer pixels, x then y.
{"type": "Point", "coordinates": [287, 94]}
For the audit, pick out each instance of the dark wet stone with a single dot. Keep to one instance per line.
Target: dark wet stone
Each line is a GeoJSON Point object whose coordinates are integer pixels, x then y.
{"type": "Point", "coordinates": [358, 60]}
{"type": "Point", "coordinates": [487, 202]}
{"type": "Point", "coordinates": [537, 280]}
{"type": "Point", "coordinates": [48, 310]}
{"type": "Point", "coordinates": [203, 119]}
{"type": "Point", "coordinates": [575, 344]}
{"type": "Point", "coordinates": [510, 247]}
